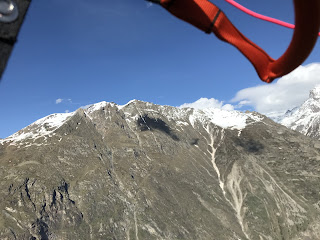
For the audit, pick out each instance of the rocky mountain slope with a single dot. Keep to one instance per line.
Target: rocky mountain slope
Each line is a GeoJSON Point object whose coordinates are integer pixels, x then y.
{"type": "Point", "coordinates": [144, 171]}
{"type": "Point", "coordinates": [306, 118]}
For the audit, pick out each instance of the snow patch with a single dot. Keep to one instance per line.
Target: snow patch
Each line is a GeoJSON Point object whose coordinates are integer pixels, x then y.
{"type": "Point", "coordinates": [180, 123]}
{"type": "Point", "coordinates": [122, 106]}
{"type": "Point", "coordinates": [96, 106]}
{"type": "Point", "coordinates": [223, 118]}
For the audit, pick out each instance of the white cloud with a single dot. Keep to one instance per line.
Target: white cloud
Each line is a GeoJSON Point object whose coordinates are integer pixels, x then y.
{"type": "Point", "coordinates": [203, 103]}
{"type": "Point", "coordinates": [288, 92]}
{"type": "Point", "coordinates": [59, 100]}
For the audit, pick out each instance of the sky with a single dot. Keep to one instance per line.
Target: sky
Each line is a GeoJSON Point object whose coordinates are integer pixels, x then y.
{"type": "Point", "coordinates": [73, 53]}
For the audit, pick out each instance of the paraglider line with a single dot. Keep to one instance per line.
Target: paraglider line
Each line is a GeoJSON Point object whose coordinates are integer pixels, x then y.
{"type": "Point", "coordinates": [260, 16]}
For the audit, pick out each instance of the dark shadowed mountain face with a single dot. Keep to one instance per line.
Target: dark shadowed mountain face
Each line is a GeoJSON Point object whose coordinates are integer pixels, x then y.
{"type": "Point", "coordinates": [143, 171]}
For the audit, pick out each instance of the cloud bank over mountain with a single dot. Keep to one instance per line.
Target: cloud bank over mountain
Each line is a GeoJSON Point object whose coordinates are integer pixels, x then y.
{"type": "Point", "coordinates": [287, 93]}
{"type": "Point", "coordinates": [204, 103]}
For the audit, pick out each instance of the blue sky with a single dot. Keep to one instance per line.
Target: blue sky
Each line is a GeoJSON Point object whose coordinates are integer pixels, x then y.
{"type": "Point", "coordinates": [84, 52]}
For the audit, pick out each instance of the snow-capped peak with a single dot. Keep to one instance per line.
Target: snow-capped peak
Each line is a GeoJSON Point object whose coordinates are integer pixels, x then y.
{"type": "Point", "coordinates": [315, 93]}
{"type": "Point", "coordinates": [306, 118]}
{"type": "Point", "coordinates": [40, 128]}
{"type": "Point", "coordinates": [97, 106]}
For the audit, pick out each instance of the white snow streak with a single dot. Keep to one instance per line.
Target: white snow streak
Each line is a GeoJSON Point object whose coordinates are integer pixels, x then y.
{"type": "Point", "coordinates": [233, 181]}
{"type": "Point", "coordinates": [135, 224]}
{"type": "Point", "coordinates": [213, 160]}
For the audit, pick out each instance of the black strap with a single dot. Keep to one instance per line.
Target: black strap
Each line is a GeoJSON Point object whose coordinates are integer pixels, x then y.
{"type": "Point", "coordinates": [213, 21]}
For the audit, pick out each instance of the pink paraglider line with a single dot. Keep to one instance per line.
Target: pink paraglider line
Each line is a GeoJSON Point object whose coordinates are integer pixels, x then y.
{"type": "Point", "coordinates": [260, 16]}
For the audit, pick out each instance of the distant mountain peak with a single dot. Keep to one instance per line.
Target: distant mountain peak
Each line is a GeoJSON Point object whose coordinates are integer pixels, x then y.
{"type": "Point", "coordinates": [306, 118]}
{"type": "Point", "coordinates": [315, 93]}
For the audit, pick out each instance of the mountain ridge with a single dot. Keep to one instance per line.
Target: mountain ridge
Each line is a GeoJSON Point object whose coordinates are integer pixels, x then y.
{"type": "Point", "coordinates": [46, 125]}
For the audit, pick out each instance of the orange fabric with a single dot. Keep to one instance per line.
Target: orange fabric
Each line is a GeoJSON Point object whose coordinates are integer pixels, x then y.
{"type": "Point", "coordinates": [208, 18]}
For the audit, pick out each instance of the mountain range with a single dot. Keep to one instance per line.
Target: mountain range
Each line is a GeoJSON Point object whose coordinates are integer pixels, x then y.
{"type": "Point", "coordinates": [145, 171]}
